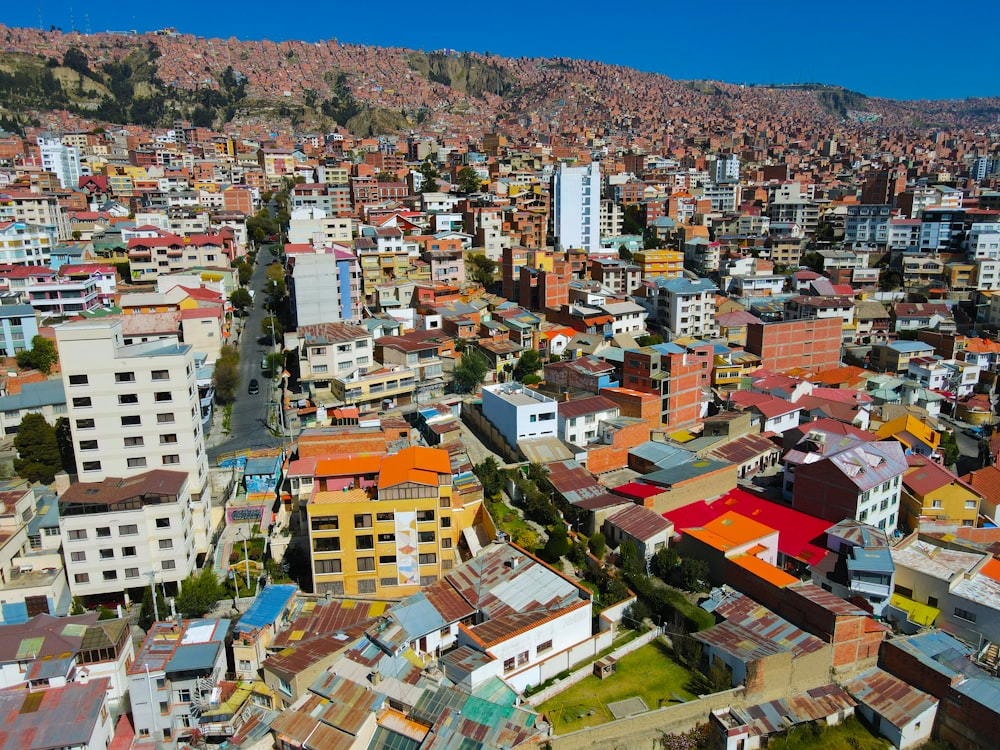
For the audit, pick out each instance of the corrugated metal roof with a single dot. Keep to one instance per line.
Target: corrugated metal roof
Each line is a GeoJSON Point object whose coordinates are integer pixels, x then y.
{"type": "Point", "coordinates": [267, 607]}
{"type": "Point", "coordinates": [894, 700]}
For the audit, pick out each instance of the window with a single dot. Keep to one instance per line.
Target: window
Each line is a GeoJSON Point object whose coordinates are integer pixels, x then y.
{"type": "Point", "coordinates": [128, 529]}
{"type": "Point", "coordinates": [106, 554]}
{"type": "Point", "coordinates": [131, 420]}
{"type": "Point", "coordinates": [91, 465]}
{"type": "Point", "coordinates": [161, 375]}
{"type": "Point", "coordinates": [169, 565]}
{"type": "Point", "coordinates": [81, 401]}
{"type": "Point", "coordinates": [424, 537]}
{"type": "Point", "coordinates": [387, 560]}
{"type": "Point", "coordinates": [163, 523]}
{"type": "Point", "coordinates": [77, 534]}
{"type": "Point", "coordinates": [364, 541]}
{"type": "Point", "coordinates": [131, 572]}
{"type": "Point", "coordinates": [326, 544]}
{"type": "Point", "coordinates": [78, 556]}
{"type": "Point", "coordinates": [386, 537]}
{"type": "Point", "coordinates": [128, 398]}
{"type": "Point", "coordinates": [385, 516]}
{"type": "Point", "coordinates": [425, 515]}
{"type": "Point", "coordinates": [363, 521]}
{"type": "Point", "coordinates": [964, 614]}
{"type": "Point", "coordinates": [168, 439]}
{"type": "Point", "coordinates": [508, 664]}
{"type": "Point", "coordinates": [128, 552]}
{"type": "Point", "coordinates": [285, 686]}
{"type": "Point", "coordinates": [137, 463]}
{"type": "Point", "coordinates": [445, 543]}
{"type": "Point", "coordinates": [133, 442]}
{"type": "Point", "coordinates": [85, 424]}
{"type": "Point", "coordinates": [165, 418]}
{"type": "Point", "coordinates": [166, 544]}
{"type": "Point", "coordinates": [170, 459]}
{"type": "Point", "coordinates": [428, 558]}
{"type": "Point", "coordinates": [366, 564]}
{"type": "Point", "coordinates": [522, 658]}
{"type": "Point", "coordinates": [162, 396]}
{"type": "Point", "coordinates": [82, 578]}
{"type": "Point", "coordinates": [327, 566]}
{"type": "Point", "coordinates": [124, 377]}
{"type": "Point", "coordinates": [543, 647]}
{"type": "Point", "coordinates": [110, 575]}
{"type": "Point", "coordinates": [324, 523]}
{"type": "Point", "coordinates": [78, 380]}
{"type": "Point", "coordinates": [88, 445]}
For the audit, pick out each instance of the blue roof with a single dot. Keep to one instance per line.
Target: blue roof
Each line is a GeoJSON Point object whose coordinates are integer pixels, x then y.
{"type": "Point", "coordinates": [662, 454]}
{"type": "Point", "coordinates": [267, 606]}
{"type": "Point", "coordinates": [669, 347]}
{"type": "Point", "coordinates": [35, 395]}
{"type": "Point", "coordinates": [266, 465]}
{"type": "Point", "coordinates": [17, 311]}
{"type": "Point", "coordinates": [909, 346]}
{"type": "Point", "coordinates": [683, 285]}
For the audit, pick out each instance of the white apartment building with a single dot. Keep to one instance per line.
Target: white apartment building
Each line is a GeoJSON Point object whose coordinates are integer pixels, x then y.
{"type": "Point", "coordinates": [683, 306]}
{"type": "Point", "coordinates": [61, 160]}
{"type": "Point", "coordinates": [117, 532]}
{"type": "Point", "coordinates": [41, 209]}
{"type": "Point", "coordinates": [329, 350]}
{"type": "Point", "coordinates": [983, 241]}
{"type": "Point", "coordinates": [132, 408]}
{"type": "Point", "coordinates": [519, 413]}
{"type": "Point", "coordinates": [26, 244]}
{"type": "Point", "coordinates": [576, 207]}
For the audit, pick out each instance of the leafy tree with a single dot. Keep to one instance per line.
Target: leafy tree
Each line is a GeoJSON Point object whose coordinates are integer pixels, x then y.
{"type": "Point", "coordinates": [692, 574]}
{"type": "Point", "coordinates": [524, 538]}
{"type": "Point", "coordinates": [482, 270]}
{"type": "Point", "coordinates": [889, 280]}
{"type": "Point", "coordinates": [636, 614]}
{"type": "Point", "coordinates": [555, 357]}
{"type": "Point", "coordinates": [199, 593]}
{"type": "Point", "coordinates": [633, 221]}
{"type": "Point", "coordinates": [226, 377]}
{"type": "Point", "coordinates": [261, 226]}
{"type": "Point", "coordinates": [240, 299]}
{"type": "Point", "coordinates": [470, 371]}
{"type": "Point", "coordinates": [665, 561]}
{"type": "Point", "coordinates": [630, 561]}
{"type": "Point", "coordinates": [64, 439]}
{"type": "Point", "coordinates": [529, 363]}
{"type": "Point", "coordinates": [531, 379]}
{"type": "Point", "coordinates": [949, 448]}
{"type": "Point", "coordinates": [75, 59]}
{"type": "Point", "coordinates": [557, 544]}
{"type": "Point", "coordinates": [38, 458]}
{"type": "Point", "coordinates": [76, 606]}
{"type": "Point", "coordinates": [812, 260]}
{"type": "Point", "coordinates": [276, 363]}
{"type": "Point", "coordinates": [650, 339]}
{"type": "Point", "coordinates": [275, 285]}
{"type": "Point", "coordinates": [490, 475]}
{"type": "Point", "coordinates": [624, 253]}
{"type": "Point", "coordinates": [271, 326]}
{"type": "Point", "coordinates": [41, 356]}
{"type": "Point", "coordinates": [147, 613]}
{"type": "Point", "coordinates": [598, 545]}
{"type": "Point", "coordinates": [103, 613]}
{"type": "Point", "coordinates": [430, 174]}
{"type": "Point", "coordinates": [468, 180]}
{"type": "Point", "coordinates": [244, 272]}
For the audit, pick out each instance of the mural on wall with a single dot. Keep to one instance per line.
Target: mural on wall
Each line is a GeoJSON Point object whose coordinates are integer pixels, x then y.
{"type": "Point", "coordinates": [407, 558]}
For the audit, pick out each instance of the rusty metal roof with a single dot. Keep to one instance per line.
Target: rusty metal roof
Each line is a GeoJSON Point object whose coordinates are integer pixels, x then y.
{"type": "Point", "coordinates": [26, 717]}
{"type": "Point", "coordinates": [889, 697]}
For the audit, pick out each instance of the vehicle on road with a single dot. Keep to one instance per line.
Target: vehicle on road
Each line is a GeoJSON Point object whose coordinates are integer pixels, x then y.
{"type": "Point", "coordinates": [254, 388]}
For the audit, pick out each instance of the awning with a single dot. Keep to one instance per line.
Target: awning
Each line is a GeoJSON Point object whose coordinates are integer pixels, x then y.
{"type": "Point", "coordinates": [472, 539]}
{"type": "Point", "coordinates": [921, 614]}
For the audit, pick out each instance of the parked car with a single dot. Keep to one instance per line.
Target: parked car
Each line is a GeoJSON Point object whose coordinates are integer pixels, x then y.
{"type": "Point", "coordinates": [254, 388]}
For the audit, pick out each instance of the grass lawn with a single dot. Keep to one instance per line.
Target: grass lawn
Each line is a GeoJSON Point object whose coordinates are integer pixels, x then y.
{"type": "Point", "coordinates": [848, 735]}
{"type": "Point", "coordinates": [648, 672]}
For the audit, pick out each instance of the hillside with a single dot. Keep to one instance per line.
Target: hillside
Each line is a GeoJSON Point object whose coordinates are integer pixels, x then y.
{"type": "Point", "coordinates": [152, 79]}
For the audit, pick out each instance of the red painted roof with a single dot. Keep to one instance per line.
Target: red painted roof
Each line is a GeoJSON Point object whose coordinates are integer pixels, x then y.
{"type": "Point", "coordinates": [637, 489]}
{"type": "Point", "coordinates": [799, 535]}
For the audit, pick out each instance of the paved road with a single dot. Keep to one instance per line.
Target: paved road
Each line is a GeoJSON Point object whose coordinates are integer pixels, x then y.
{"type": "Point", "coordinates": [248, 424]}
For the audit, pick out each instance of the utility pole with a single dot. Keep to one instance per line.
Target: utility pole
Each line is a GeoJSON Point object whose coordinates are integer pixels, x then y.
{"type": "Point", "coordinates": [152, 591]}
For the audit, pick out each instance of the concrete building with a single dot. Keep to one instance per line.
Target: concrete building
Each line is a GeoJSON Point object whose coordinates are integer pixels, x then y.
{"type": "Point", "coordinates": [117, 533]}
{"type": "Point", "coordinates": [520, 413]}
{"type": "Point", "coordinates": [682, 306]}
{"type": "Point", "coordinates": [26, 244]}
{"type": "Point", "coordinates": [326, 287]}
{"type": "Point", "coordinates": [333, 350]}
{"type": "Point", "coordinates": [47, 398]}
{"type": "Point", "coordinates": [63, 161]}
{"type": "Point", "coordinates": [860, 565]}
{"type": "Point", "coordinates": [18, 326]}
{"type": "Point", "coordinates": [73, 716]}
{"type": "Point", "coordinates": [812, 343]}
{"type": "Point", "coordinates": [576, 207]}
{"type": "Point", "coordinates": [132, 408]}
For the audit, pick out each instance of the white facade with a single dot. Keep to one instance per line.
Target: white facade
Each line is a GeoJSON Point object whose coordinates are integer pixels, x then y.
{"type": "Point", "coordinates": [26, 244]}
{"type": "Point", "coordinates": [133, 408]}
{"type": "Point", "coordinates": [983, 241]}
{"type": "Point", "coordinates": [62, 161]}
{"type": "Point", "coordinates": [576, 207]}
{"type": "Point", "coordinates": [685, 307]}
{"type": "Point", "coordinates": [519, 413]}
{"type": "Point", "coordinates": [114, 542]}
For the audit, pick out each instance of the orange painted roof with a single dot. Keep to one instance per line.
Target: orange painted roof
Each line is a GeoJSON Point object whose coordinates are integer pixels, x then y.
{"type": "Point", "coordinates": [764, 570]}
{"type": "Point", "coordinates": [414, 464]}
{"type": "Point", "coordinates": [729, 530]}
{"type": "Point", "coordinates": [991, 569]}
{"type": "Point", "coordinates": [348, 465]}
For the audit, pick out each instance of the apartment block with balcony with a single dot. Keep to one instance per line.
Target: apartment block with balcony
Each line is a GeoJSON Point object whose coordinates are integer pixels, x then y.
{"type": "Point", "coordinates": [682, 306]}
{"type": "Point", "coordinates": [393, 538]}
{"type": "Point", "coordinates": [117, 532]}
{"type": "Point", "coordinates": [26, 244]}
{"type": "Point", "coordinates": [64, 297]}
{"type": "Point", "coordinates": [860, 566]}
{"type": "Point", "coordinates": [419, 351]}
{"type": "Point", "coordinates": [376, 388]}
{"type": "Point", "coordinates": [332, 350]}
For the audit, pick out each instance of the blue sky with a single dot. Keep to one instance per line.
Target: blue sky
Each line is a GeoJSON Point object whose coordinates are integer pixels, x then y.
{"type": "Point", "coordinates": [909, 51]}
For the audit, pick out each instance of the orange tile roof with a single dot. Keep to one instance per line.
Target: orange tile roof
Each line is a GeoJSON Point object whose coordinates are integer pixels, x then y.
{"type": "Point", "coordinates": [348, 465]}
{"type": "Point", "coordinates": [414, 464]}
{"type": "Point", "coordinates": [991, 569]}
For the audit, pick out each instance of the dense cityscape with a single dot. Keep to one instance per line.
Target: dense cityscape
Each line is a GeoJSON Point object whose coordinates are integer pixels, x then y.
{"type": "Point", "coordinates": [371, 398]}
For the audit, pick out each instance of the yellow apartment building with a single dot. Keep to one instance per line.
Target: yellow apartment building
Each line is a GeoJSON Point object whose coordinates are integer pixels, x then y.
{"type": "Point", "coordinates": [391, 539]}
{"type": "Point", "coordinates": [931, 494]}
{"type": "Point", "coordinates": [667, 264]}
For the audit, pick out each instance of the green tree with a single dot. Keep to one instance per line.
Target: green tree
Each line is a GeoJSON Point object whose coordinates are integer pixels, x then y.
{"type": "Point", "coordinates": [557, 544]}
{"type": "Point", "coordinates": [271, 327]}
{"type": "Point", "coordinates": [633, 222]}
{"type": "Point", "coordinates": [629, 559]}
{"type": "Point", "coordinates": [147, 613]}
{"type": "Point", "coordinates": [468, 180]}
{"type": "Point", "coordinates": [76, 606]}
{"type": "Point", "coordinates": [665, 561]}
{"type": "Point", "coordinates": [275, 286]}
{"type": "Point", "coordinates": [103, 613]}
{"type": "Point", "coordinates": [470, 371]}
{"type": "Point", "coordinates": [64, 439]}
{"type": "Point", "coordinates": [692, 574]}
{"type": "Point", "coordinates": [650, 339]}
{"type": "Point", "coordinates": [38, 458]}
{"type": "Point", "coordinates": [226, 377]}
{"type": "Point", "coordinates": [482, 270]}
{"type": "Point", "coordinates": [199, 593]}
{"type": "Point", "coordinates": [624, 253]}
{"type": "Point", "coordinates": [245, 272]}
{"type": "Point", "coordinates": [812, 260]}
{"type": "Point", "coordinates": [240, 299]}
{"type": "Point", "coordinates": [888, 280]}
{"type": "Point", "coordinates": [490, 475]}
{"type": "Point", "coordinates": [529, 363]}
{"type": "Point", "coordinates": [41, 356]}
{"type": "Point", "coordinates": [949, 448]}
{"type": "Point", "coordinates": [598, 545]}
{"type": "Point", "coordinates": [430, 174]}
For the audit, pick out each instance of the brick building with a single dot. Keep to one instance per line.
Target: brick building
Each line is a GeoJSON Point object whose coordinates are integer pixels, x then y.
{"type": "Point", "coordinates": [809, 344]}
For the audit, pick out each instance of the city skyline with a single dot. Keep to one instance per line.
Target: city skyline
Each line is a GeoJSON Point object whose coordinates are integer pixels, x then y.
{"type": "Point", "coordinates": [738, 45]}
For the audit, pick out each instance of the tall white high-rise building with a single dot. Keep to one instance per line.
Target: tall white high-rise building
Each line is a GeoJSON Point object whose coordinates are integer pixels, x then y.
{"type": "Point", "coordinates": [63, 161]}
{"type": "Point", "coordinates": [577, 207]}
{"type": "Point", "coordinates": [133, 408]}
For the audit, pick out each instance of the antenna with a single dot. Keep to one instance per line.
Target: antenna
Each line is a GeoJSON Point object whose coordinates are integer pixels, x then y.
{"type": "Point", "coordinates": [72, 21]}
{"type": "Point", "coordinates": [41, 26]}
{"type": "Point", "coordinates": [86, 24]}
